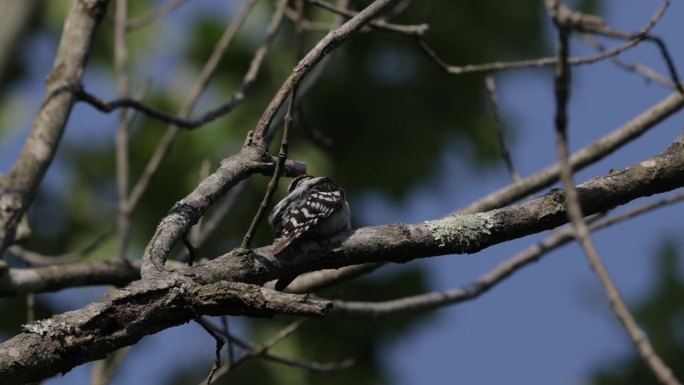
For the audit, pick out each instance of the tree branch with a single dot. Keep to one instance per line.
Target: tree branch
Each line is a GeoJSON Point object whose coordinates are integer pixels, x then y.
{"type": "Point", "coordinates": [123, 317]}
{"type": "Point", "coordinates": [145, 307]}
{"type": "Point", "coordinates": [324, 47]}
{"type": "Point", "coordinates": [399, 242]}
{"type": "Point", "coordinates": [27, 172]}
{"type": "Point", "coordinates": [455, 233]}
{"type": "Point", "coordinates": [185, 213]}
{"type": "Point", "coordinates": [582, 158]}
{"type": "Point", "coordinates": [531, 254]}
{"type": "Point", "coordinates": [576, 215]}
{"type": "Point", "coordinates": [411, 30]}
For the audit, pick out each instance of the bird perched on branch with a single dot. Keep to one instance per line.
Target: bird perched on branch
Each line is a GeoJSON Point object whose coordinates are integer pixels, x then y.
{"type": "Point", "coordinates": [314, 207]}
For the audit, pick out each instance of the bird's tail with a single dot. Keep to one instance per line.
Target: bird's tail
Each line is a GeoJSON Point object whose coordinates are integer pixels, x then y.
{"type": "Point", "coordinates": [281, 245]}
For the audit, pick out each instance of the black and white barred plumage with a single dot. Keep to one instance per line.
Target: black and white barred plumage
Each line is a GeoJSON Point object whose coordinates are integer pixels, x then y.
{"type": "Point", "coordinates": [314, 206]}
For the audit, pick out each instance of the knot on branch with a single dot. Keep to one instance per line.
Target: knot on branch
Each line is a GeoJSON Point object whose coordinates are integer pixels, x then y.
{"type": "Point", "coordinates": [185, 210]}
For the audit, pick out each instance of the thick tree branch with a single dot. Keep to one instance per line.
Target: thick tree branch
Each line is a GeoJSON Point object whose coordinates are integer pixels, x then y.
{"type": "Point", "coordinates": [147, 306]}
{"type": "Point", "coordinates": [455, 233]}
{"type": "Point", "coordinates": [27, 172]}
{"type": "Point", "coordinates": [399, 242]}
{"type": "Point", "coordinates": [185, 213]}
{"type": "Point", "coordinates": [122, 318]}
{"type": "Point", "coordinates": [504, 270]}
{"type": "Point", "coordinates": [57, 277]}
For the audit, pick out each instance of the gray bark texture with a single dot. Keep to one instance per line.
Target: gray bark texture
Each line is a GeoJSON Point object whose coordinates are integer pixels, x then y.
{"type": "Point", "coordinates": [160, 295]}
{"type": "Point", "coordinates": [228, 284]}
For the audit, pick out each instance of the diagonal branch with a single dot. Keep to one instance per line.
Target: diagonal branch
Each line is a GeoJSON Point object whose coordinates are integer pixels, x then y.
{"type": "Point", "coordinates": [27, 172]}
{"type": "Point", "coordinates": [328, 43]}
{"type": "Point", "coordinates": [277, 172]}
{"type": "Point", "coordinates": [594, 152]}
{"type": "Point", "coordinates": [460, 234]}
{"type": "Point", "coordinates": [198, 88]}
{"type": "Point", "coordinates": [499, 128]}
{"type": "Point", "coordinates": [185, 213]}
{"type": "Point", "coordinates": [531, 254]}
{"type": "Point", "coordinates": [576, 216]}
{"type": "Point", "coordinates": [388, 243]}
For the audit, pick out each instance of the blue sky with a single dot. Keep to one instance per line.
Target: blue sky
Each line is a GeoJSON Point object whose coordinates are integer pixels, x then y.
{"type": "Point", "coordinates": [549, 323]}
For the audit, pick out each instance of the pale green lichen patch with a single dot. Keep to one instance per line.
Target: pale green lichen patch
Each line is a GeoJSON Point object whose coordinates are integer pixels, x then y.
{"type": "Point", "coordinates": [51, 328]}
{"type": "Point", "coordinates": [463, 230]}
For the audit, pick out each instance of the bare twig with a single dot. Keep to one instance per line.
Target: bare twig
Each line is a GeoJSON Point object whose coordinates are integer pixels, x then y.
{"type": "Point", "coordinates": [641, 69]}
{"type": "Point", "coordinates": [273, 184]}
{"type": "Point", "coordinates": [263, 351]}
{"type": "Point", "coordinates": [411, 30]}
{"type": "Point", "coordinates": [217, 353]}
{"type": "Point", "coordinates": [35, 258]}
{"type": "Point", "coordinates": [324, 47]}
{"type": "Point", "coordinates": [122, 132]}
{"type": "Point", "coordinates": [582, 158]}
{"type": "Point", "coordinates": [254, 350]}
{"type": "Point", "coordinates": [499, 128]}
{"type": "Point", "coordinates": [196, 230]}
{"type": "Point", "coordinates": [310, 82]}
{"type": "Point", "coordinates": [574, 211]}
{"type": "Point", "coordinates": [668, 61]}
{"type": "Point", "coordinates": [226, 332]}
{"type": "Point", "coordinates": [196, 91]}
{"type": "Point", "coordinates": [641, 35]}
{"type": "Point", "coordinates": [191, 250]}
{"type": "Point", "coordinates": [633, 40]}
{"type": "Point", "coordinates": [317, 280]}
{"type": "Point", "coordinates": [104, 370]}
{"type": "Point", "coordinates": [153, 15]}
{"type": "Point", "coordinates": [504, 66]}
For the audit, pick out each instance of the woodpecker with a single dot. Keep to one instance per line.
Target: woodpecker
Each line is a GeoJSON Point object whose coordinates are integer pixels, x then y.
{"type": "Point", "coordinates": [313, 207]}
